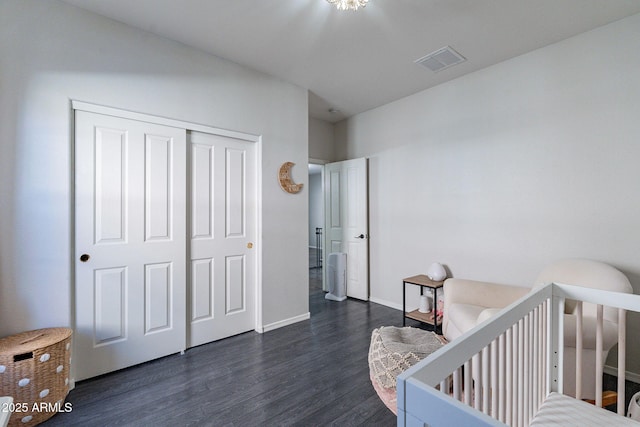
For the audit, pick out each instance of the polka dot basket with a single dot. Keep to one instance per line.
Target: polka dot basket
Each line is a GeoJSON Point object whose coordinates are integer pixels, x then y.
{"type": "Point", "coordinates": [34, 370]}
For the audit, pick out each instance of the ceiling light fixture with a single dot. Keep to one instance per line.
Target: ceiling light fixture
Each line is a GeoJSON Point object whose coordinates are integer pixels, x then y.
{"type": "Point", "coordinates": [348, 4]}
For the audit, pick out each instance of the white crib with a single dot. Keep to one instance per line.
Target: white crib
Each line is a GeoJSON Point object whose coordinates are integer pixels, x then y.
{"type": "Point", "coordinates": [509, 370]}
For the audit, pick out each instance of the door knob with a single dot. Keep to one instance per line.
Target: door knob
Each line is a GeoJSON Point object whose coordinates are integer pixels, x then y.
{"type": "Point", "coordinates": [84, 257]}
{"type": "Point", "coordinates": [360, 236]}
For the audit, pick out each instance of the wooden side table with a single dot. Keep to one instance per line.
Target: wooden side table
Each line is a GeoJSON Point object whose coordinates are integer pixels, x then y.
{"type": "Point", "coordinates": [429, 318]}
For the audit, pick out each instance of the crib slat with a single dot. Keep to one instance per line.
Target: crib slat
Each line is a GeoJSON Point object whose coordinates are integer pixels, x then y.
{"type": "Point", "coordinates": [535, 353]}
{"type": "Point", "coordinates": [525, 373]}
{"type": "Point", "coordinates": [501, 377]}
{"type": "Point", "coordinates": [467, 383]}
{"type": "Point", "coordinates": [486, 359]}
{"type": "Point", "coordinates": [579, 350]}
{"type": "Point", "coordinates": [599, 321]}
{"type": "Point", "coordinates": [543, 353]}
{"type": "Point", "coordinates": [531, 351]}
{"type": "Point", "coordinates": [508, 405]}
{"type": "Point", "coordinates": [514, 378]}
{"type": "Point", "coordinates": [520, 372]}
{"type": "Point", "coordinates": [622, 358]}
{"type": "Point", "coordinates": [494, 378]}
{"type": "Point", "coordinates": [547, 351]}
{"type": "Point", "coordinates": [457, 387]}
{"type": "Point", "coordinates": [476, 367]}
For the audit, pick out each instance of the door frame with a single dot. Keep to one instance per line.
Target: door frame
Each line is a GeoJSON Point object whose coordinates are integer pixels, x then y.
{"type": "Point", "coordinates": [323, 255]}
{"type": "Point", "coordinates": [189, 126]}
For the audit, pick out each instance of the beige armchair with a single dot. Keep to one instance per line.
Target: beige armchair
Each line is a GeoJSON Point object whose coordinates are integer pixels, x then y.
{"type": "Point", "coordinates": [468, 303]}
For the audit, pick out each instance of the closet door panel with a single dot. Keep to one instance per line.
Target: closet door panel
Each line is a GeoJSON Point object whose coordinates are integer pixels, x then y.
{"type": "Point", "coordinates": [130, 195]}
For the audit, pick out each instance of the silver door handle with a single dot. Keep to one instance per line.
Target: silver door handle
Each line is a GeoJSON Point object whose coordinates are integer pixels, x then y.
{"type": "Point", "coordinates": [362, 236]}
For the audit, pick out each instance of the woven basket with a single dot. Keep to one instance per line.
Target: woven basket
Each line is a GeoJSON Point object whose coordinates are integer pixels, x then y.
{"type": "Point", "coordinates": [34, 370]}
{"type": "Point", "coordinates": [394, 350]}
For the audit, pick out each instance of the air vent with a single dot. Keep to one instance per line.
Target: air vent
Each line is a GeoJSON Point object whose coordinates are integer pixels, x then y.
{"type": "Point", "coordinates": [440, 59]}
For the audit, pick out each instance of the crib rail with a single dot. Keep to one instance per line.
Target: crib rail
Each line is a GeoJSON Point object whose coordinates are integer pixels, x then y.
{"type": "Point", "coordinates": [501, 371]}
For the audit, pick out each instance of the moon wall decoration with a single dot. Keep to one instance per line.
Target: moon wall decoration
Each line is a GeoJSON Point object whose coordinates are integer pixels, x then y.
{"type": "Point", "coordinates": [284, 177]}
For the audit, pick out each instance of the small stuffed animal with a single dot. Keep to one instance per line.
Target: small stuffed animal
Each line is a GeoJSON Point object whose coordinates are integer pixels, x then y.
{"type": "Point", "coordinates": [440, 309]}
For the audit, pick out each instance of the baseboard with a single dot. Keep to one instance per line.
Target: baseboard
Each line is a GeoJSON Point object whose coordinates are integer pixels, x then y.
{"type": "Point", "coordinates": [386, 303]}
{"type": "Point", "coordinates": [285, 322]}
{"type": "Point", "coordinates": [629, 376]}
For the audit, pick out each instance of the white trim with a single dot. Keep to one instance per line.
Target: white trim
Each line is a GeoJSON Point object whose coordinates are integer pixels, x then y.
{"type": "Point", "coordinates": [285, 322]}
{"type": "Point", "coordinates": [258, 290]}
{"type": "Point", "coordinates": [318, 161]}
{"type": "Point", "coordinates": [613, 371]}
{"type": "Point", "coordinates": [142, 117]}
{"type": "Point", "coordinates": [386, 303]}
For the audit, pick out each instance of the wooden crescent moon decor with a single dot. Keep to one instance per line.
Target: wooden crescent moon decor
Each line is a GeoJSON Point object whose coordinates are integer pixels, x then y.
{"type": "Point", "coordinates": [284, 177]}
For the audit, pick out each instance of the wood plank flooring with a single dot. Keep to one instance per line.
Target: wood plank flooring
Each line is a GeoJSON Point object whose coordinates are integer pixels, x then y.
{"type": "Point", "coordinates": [312, 373]}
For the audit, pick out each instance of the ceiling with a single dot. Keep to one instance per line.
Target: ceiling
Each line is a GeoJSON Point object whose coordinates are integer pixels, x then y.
{"type": "Point", "coordinates": [355, 61]}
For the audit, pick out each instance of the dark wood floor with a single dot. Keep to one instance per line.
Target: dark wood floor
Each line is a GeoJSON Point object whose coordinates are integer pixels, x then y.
{"type": "Point", "coordinates": [312, 373]}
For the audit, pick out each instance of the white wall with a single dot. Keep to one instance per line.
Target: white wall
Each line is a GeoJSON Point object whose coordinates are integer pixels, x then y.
{"type": "Point", "coordinates": [321, 140]}
{"type": "Point", "coordinates": [500, 172]}
{"type": "Point", "coordinates": [50, 53]}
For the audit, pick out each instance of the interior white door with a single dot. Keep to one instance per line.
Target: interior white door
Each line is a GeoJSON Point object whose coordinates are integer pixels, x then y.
{"type": "Point", "coordinates": [223, 235]}
{"type": "Point", "coordinates": [347, 221]}
{"type": "Point", "coordinates": [130, 203]}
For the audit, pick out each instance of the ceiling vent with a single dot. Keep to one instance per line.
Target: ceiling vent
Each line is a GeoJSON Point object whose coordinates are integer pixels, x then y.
{"type": "Point", "coordinates": [440, 59]}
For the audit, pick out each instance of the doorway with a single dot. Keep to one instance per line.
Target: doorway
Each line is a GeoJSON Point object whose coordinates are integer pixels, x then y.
{"type": "Point", "coordinates": [316, 224]}
{"type": "Point", "coordinates": [339, 222]}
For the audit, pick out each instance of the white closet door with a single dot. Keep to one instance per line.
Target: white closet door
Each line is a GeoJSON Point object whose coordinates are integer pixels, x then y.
{"type": "Point", "coordinates": [223, 233]}
{"type": "Point", "coordinates": [130, 247]}
{"type": "Point", "coordinates": [347, 221]}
